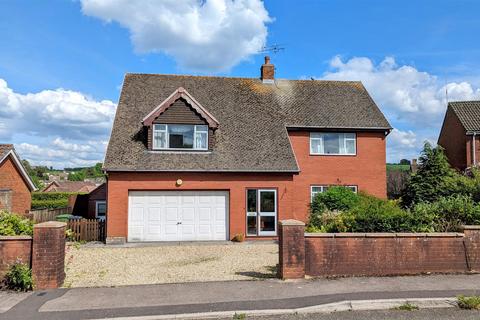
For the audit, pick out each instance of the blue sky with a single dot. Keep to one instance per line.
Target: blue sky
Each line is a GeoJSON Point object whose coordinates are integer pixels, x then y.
{"type": "Point", "coordinates": [62, 62]}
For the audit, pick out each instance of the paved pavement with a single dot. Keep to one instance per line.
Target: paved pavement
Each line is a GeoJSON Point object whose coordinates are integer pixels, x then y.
{"type": "Point", "coordinates": [97, 303]}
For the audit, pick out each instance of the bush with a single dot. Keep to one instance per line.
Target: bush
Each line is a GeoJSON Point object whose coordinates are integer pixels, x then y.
{"type": "Point", "coordinates": [14, 225]}
{"type": "Point", "coordinates": [334, 198]}
{"type": "Point", "coordinates": [19, 277]}
{"type": "Point", "coordinates": [51, 200]}
{"type": "Point", "coordinates": [448, 214]}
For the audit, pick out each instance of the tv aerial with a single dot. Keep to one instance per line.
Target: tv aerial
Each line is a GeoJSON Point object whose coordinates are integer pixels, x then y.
{"type": "Point", "coordinates": [274, 49]}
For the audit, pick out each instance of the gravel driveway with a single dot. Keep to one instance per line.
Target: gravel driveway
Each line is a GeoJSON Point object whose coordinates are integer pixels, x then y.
{"type": "Point", "coordinates": [91, 266]}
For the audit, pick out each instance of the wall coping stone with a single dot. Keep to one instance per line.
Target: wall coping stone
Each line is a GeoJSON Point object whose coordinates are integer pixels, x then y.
{"type": "Point", "coordinates": [471, 227]}
{"type": "Point", "coordinates": [385, 235]}
{"type": "Point", "coordinates": [50, 224]}
{"type": "Point", "coordinates": [12, 238]}
{"type": "Point", "coordinates": [291, 222]}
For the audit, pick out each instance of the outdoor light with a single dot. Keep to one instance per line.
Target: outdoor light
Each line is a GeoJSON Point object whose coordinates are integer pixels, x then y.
{"type": "Point", "coordinates": [179, 182]}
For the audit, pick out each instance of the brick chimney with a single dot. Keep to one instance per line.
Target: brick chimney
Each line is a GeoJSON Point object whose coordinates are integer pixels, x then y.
{"type": "Point", "coordinates": [414, 166]}
{"type": "Point", "coordinates": [267, 71]}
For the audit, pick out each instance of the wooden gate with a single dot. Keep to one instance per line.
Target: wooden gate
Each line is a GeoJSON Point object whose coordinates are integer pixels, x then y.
{"type": "Point", "coordinates": [87, 229]}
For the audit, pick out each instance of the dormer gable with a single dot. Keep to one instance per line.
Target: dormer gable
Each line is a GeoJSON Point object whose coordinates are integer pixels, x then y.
{"type": "Point", "coordinates": [182, 95]}
{"type": "Point", "coordinates": [180, 123]}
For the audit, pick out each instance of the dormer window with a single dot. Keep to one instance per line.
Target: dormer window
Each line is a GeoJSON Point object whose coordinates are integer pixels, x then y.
{"type": "Point", "coordinates": [180, 137]}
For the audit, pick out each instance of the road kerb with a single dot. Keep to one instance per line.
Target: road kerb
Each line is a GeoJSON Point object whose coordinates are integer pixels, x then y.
{"type": "Point", "coordinates": [350, 305]}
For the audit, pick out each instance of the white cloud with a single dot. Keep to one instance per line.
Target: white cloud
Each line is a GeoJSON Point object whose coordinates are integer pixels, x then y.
{"type": "Point", "coordinates": [208, 35]}
{"type": "Point", "coordinates": [55, 127]}
{"type": "Point", "coordinates": [59, 153]}
{"type": "Point", "coordinates": [51, 112]}
{"type": "Point", "coordinates": [412, 100]}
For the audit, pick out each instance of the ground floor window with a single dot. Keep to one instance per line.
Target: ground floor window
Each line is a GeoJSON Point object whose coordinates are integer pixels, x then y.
{"type": "Point", "coordinates": [314, 190]}
{"type": "Point", "coordinates": [100, 209]}
{"type": "Point", "coordinates": [261, 212]}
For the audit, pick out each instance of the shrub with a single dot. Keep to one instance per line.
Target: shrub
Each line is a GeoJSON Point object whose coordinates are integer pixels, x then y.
{"type": "Point", "coordinates": [19, 277]}
{"type": "Point", "coordinates": [330, 221]}
{"type": "Point", "coordinates": [14, 225]}
{"type": "Point", "coordinates": [472, 302]}
{"type": "Point", "coordinates": [433, 180]}
{"type": "Point", "coordinates": [334, 198]}
{"type": "Point", "coordinates": [448, 214]}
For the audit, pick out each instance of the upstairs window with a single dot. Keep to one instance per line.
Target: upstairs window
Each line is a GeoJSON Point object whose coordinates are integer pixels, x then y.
{"type": "Point", "coordinates": [180, 137]}
{"type": "Point", "coordinates": [333, 143]}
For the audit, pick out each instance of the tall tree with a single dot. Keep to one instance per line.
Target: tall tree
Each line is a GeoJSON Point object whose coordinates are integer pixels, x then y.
{"type": "Point", "coordinates": [433, 180]}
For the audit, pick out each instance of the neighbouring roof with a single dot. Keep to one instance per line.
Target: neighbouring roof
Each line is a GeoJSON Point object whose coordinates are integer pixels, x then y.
{"type": "Point", "coordinates": [9, 150]}
{"type": "Point", "coordinates": [468, 112]}
{"type": "Point", "coordinates": [252, 116]}
{"type": "Point", "coordinates": [70, 186]}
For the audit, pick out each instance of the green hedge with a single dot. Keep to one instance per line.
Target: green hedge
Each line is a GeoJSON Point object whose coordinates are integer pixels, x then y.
{"type": "Point", "coordinates": [364, 213]}
{"type": "Point", "coordinates": [51, 200]}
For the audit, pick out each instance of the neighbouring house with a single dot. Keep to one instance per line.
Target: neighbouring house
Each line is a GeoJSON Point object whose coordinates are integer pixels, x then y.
{"type": "Point", "coordinates": [460, 134]}
{"type": "Point", "coordinates": [206, 158]}
{"type": "Point", "coordinates": [70, 186]}
{"type": "Point", "coordinates": [15, 183]}
{"type": "Point", "coordinates": [92, 205]}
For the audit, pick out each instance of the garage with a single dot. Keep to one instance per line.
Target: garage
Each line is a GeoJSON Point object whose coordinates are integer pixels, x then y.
{"type": "Point", "coordinates": [177, 215]}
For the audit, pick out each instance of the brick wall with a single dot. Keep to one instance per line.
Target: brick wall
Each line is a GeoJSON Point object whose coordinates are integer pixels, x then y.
{"type": "Point", "coordinates": [11, 179]}
{"type": "Point", "coordinates": [379, 254]}
{"type": "Point", "coordinates": [455, 142]}
{"type": "Point", "coordinates": [12, 249]}
{"type": "Point", "coordinates": [48, 254]}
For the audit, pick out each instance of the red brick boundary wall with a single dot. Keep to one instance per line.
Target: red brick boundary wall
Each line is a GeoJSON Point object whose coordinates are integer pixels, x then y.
{"type": "Point", "coordinates": [45, 253]}
{"type": "Point", "coordinates": [376, 254]}
{"type": "Point", "coordinates": [48, 254]}
{"type": "Point", "coordinates": [13, 249]}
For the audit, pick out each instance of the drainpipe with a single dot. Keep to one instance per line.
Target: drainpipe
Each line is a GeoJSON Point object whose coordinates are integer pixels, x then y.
{"type": "Point", "coordinates": [473, 153]}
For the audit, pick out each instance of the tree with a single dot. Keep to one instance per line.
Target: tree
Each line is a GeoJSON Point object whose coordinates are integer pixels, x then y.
{"type": "Point", "coordinates": [77, 176]}
{"type": "Point", "coordinates": [433, 180]}
{"type": "Point", "coordinates": [405, 162]}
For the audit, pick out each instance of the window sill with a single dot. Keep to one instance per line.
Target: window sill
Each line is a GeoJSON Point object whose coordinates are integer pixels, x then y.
{"type": "Point", "coordinates": [333, 154]}
{"type": "Point", "coordinates": [177, 151]}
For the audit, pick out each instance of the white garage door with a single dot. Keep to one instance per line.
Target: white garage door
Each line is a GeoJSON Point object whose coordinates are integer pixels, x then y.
{"type": "Point", "coordinates": [177, 215]}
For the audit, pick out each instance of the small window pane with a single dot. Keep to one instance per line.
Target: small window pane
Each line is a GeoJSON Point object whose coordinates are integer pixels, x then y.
{"type": "Point", "coordinates": [316, 146]}
{"type": "Point", "coordinates": [350, 146]}
{"type": "Point", "coordinates": [252, 225]}
{"type": "Point", "coordinates": [201, 128]}
{"type": "Point", "coordinates": [101, 209]}
{"type": "Point", "coordinates": [180, 136]}
{"type": "Point", "coordinates": [267, 223]}
{"type": "Point", "coordinates": [251, 200]}
{"type": "Point", "coordinates": [267, 201]}
{"type": "Point", "coordinates": [201, 140]}
{"type": "Point", "coordinates": [331, 143]}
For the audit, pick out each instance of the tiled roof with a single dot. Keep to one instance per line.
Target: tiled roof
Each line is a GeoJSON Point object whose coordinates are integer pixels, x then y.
{"type": "Point", "coordinates": [468, 112]}
{"type": "Point", "coordinates": [252, 116]}
{"type": "Point", "coordinates": [70, 186]}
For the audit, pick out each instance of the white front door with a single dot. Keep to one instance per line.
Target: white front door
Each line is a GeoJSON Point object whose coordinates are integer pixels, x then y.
{"type": "Point", "coordinates": [177, 215]}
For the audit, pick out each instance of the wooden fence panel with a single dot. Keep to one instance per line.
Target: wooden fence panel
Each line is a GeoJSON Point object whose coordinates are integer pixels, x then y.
{"type": "Point", "coordinates": [87, 229]}
{"type": "Point", "coordinates": [44, 215]}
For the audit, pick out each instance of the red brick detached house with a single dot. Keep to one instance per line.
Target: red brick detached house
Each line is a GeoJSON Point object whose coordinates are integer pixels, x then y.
{"type": "Point", "coordinates": [15, 184]}
{"type": "Point", "coordinates": [206, 158]}
{"type": "Point", "coordinates": [460, 134]}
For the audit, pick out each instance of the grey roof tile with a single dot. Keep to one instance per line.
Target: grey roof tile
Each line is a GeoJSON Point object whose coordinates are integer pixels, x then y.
{"type": "Point", "coordinates": [252, 116]}
{"type": "Point", "coordinates": [468, 112]}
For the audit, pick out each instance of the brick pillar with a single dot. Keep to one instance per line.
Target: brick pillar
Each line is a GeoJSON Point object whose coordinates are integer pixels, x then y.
{"type": "Point", "coordinates": [48, 254]}
{"type": "Point", "coordinates": [291, 249]}
{"type": "Point", "coordinates": [472, 247]}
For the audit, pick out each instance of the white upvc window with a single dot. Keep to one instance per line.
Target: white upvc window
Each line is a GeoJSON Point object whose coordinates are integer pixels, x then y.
{"type": "Point", "coordinates": [333, 143]}
{"type": "Point", "coordinates": [314, 190]}
{"type": "Point", "coordinates": [100, 209]}
{"type": "Point", "coordinates": [180, 137]}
